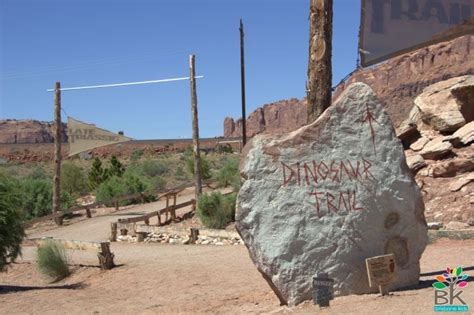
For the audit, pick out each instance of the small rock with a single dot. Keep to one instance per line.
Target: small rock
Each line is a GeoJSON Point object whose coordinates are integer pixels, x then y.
{"type": "Point", "coordinates": [205, 242]}
{"type": "Point", "coordinates": [186, 241]}
{"type": "Point", "coordinates": [465, 134]}
{"type": "Point", "coordinates": [471, 201]}
{"type": "Point", "coordinates": [419, 144]}
{"type": "Point", "coordinates": [438, 216]}
{"type": "Point", "coordinates": [470, 222]}
{"type": "Point", "coordinates": [436, 149]}
{"type": "Point", "coordinates": [461, 182]}
{"type": "Point", "coordinates": [456, 225]}
{"type": "Point", "coordinates": [219, 243]}
{"type": "Point", "coordinates": [435, 225]}
{"type": "Point", "coordinates": [415, 162]}
{"type": "Point", "coordinates": [173, 241]}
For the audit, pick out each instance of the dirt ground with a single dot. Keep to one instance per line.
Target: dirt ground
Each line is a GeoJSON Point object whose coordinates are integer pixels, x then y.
{"type": "Point", "coordinates": [193, 279]}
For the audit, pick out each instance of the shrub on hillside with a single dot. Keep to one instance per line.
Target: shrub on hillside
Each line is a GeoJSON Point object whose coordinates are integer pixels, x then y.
{"type": "Point", "coordinates": [113, 187]}
{"type": "Point", "coordinates": [37, 172]}
{"type": "Point", "coordinates": [215, 210]}
{"type": "Point", "coordinates": [152, 168]}
{"type": "Point", "coordinates": [37, 197]}
{"type": "Point", "coordinates": [73, 180]}
{"type": "Point", "coordinates": [53, 261]}
{"type": "Point", "coordinates": [229, 175]}
{"type": "Point", "coordinates": [136, 155]}
{"type": "Point", "coordinates": [205, 167]}
{"type": "Point", "coordinates": [11, 229]}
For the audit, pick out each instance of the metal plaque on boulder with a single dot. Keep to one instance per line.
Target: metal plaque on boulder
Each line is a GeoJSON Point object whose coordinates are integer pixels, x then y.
{"type": "Point", "coordinates": [381, 271]}
{"type": "Point", "coordinates": [323, 289]}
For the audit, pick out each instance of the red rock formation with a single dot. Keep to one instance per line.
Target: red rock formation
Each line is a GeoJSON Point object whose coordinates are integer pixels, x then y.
{"type": "Point", "coordinates": [396, 82]}
{"type": "Point", "coordinates": [28, 131]}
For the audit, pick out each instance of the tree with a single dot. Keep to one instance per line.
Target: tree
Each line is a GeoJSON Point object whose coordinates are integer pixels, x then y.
{"type": "Point", "coordinates": [73, 180]}
{"type": "Point", "coordinates": [116, 168]}
{"type": "Point", "coordinates": [318, 86]}
{"type": "Point", "coordinates": [96, 174]}
{"type": "Point", "coordinates": [11, 229]}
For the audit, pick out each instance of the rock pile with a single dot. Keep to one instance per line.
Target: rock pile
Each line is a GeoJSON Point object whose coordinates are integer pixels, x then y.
{"type": "Point", "coordinates": [174, 239]}
{"type": "Point", "coordinates": [440, 151]}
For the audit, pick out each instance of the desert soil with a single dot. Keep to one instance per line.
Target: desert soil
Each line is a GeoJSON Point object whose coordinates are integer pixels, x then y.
{"type": "Point", "coordinates": [193, 279]}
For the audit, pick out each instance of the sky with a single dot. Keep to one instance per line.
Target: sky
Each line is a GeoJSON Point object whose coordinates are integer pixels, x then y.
{"type": "Point", "coordinates": [91, 42]}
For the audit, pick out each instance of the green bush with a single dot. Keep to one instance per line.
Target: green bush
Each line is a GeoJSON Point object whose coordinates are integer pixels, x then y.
{"type": "Point", "coordinates": [73, 180]}
{"type": "Point", "coordinates": [137, 155]}
{"type": "Point", "coordinates": [37, 173]}
{"type": "Point", "coordinates": [228, 174]}
{"type": "Point", "coordinates": [152, 168]}
{"type": "Point", "coordinates": [53, 261]}
{"type": "Point", "coordinates": [180, 174]}
{"type": "Point", "coordinates": [11, 229]}
{"type": "Point", "coordinates": [111, 188]}
{"type": "Point", "coordinates": [118, 186]}
{"type": "Point", "coordinates": [37, 198]}
{"type": "Point", "coordinates": [215, 210]}
{"type": "Point", "coordinates": [205, 167]}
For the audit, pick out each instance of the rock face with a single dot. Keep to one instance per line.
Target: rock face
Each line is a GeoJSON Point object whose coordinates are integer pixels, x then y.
{"type": "Point", "coordinates": [396, 82]}
{"type": "Point", "coordinates": [281, 116]}
{"type": "Point", "coordinates": [446, 105]}
{"type": "Point", "coordinates": [327, 196]}
{"type": "Point", "coordinates": [28, 131]}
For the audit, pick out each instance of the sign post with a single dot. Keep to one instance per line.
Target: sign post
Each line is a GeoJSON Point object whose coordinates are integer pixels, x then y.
{"type": "Point", "coordinates": [323, 289]}
{"type": "Point", "coordinates": [381, 271]}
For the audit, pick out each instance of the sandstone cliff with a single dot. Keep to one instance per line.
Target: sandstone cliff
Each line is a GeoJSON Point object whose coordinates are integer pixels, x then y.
{"type": "Point", "coordinates": [28, 131]}
{"type": "Point", "coordinates": [396, 82]}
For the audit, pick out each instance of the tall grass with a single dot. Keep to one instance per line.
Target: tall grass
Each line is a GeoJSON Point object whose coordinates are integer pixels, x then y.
{"type": "Point", "coordinates": [53, 261]}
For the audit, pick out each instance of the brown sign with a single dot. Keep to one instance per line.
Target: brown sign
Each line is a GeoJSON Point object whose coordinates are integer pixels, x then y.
{"type": "Point", "coordinates": [392, 28]}
{"type": "Point", "coordinates": [381, 269]}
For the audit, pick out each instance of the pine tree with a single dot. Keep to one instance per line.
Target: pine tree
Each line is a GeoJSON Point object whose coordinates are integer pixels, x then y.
{"type": "Point", "coordinates": [96, 175]}
{"type": "Point", "coordinates": [116, 168]}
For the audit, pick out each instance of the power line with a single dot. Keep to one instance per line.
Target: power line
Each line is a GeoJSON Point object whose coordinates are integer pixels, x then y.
{"type": "Point", "coordinates": [123, 84]}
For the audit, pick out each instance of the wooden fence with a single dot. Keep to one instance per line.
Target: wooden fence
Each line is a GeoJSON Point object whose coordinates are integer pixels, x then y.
{"type": "Point", "coordinates": [124, 225]}
{"type": "Point", "coordinates": [159, 194]}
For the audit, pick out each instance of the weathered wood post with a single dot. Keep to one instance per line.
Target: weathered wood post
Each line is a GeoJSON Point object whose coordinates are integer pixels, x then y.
{"type": "Point", "coordinates": [58, 218]}
{"type": "Point", "coordinates": [106, 258]}
{"type": "Point", "coordinates": [193, 237]}
{"type": "Point", "coordinates": [88, 213]}
{"type": "Point", "coordinates": [318, 86]}
{"type": "Point", "coordinates": [173, 207]}
{"type": "Point", "coordinates": [113, 231]}
{"type": "Point", "coordinates": [194, 110]}
{"type": "Point", "coordinates": [242, 83]}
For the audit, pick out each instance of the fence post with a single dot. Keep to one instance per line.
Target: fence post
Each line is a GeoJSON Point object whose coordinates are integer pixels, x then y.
{"type": "Point", "coordinates": [88, 213]}
{"type": "Point", "coordinates": [113, 231]}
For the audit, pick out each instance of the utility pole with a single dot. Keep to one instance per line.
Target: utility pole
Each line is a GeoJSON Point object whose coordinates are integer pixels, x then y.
{"type": "Point", "coordinates": [318, 86]}
{"type": "Point", "coordinates": [242, 83]}
{"type": "Point", "coordinates": [58, 218]}
{"type": "Point", "coordinates": [194, 111]}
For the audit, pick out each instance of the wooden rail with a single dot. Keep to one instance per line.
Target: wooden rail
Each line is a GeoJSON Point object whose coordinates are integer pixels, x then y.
{"type": "Point", "coordinates": [106, 258]}
{"type": "Point", "coordinates": [123, 225]}
{"type": "Point", "coordinates": [162, 193]}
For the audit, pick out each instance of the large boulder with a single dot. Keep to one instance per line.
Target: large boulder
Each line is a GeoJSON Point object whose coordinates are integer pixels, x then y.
{"type": "Point", "coordinates": [448, 105]}
{"type": "Point", "coordinates": [329, 195]}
